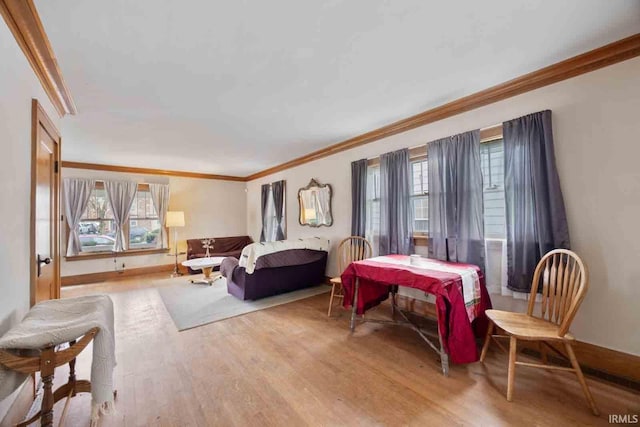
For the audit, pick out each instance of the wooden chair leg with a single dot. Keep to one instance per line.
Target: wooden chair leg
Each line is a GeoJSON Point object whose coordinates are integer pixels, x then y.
{"type": "Point", "coordinates": [487, 341]}
{"type": "Point", "coordinates": [542, 349]}
{"type": "Point", "coordinates": [333, 291]}
{"type": "Point", "coordinates": [513, 344]}
{"type": "Point", "coordinates": [583, 382]}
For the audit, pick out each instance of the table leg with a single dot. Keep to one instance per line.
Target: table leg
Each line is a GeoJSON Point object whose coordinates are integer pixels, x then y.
{"type": "Point", "coordinates": [444, 357]}
{"type": "Point", "coordinates": [354, 307]}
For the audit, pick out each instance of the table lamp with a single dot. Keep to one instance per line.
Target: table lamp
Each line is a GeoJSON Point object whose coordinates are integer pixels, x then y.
{"type": "Point", "coordinates": [174, 220]}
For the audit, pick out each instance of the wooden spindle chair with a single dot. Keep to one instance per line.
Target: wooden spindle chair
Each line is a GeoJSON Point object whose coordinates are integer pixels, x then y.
{"type": "Point", "coordinates": [353, 248]}
{"type": "Point", "coordinates": [564, 279]}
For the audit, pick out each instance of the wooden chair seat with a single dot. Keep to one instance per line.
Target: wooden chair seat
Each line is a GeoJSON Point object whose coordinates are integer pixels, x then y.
{"type": "Point", "coordinates": [526, 327]}
{"type": "Point", "coordinates": [336, 280]}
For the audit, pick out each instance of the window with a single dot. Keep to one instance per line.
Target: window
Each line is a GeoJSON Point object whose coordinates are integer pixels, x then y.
{"type": "Point", "coordinates": [271, 220]}
{"type": "Point", "coordinates": [144, 226]}
{"type": "Point", "coordinates": [372, 229]}
{"type": "Point", "coordinates": [492, 163]}
{"type": "Point", "coordinates": [419, 200]}
{"type": "Point", "coordinates": [420, 196]}
{"type": "Point", "coordinates": [97, 228]}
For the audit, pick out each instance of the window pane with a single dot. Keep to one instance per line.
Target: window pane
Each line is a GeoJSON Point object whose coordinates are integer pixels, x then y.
{"type": "Point", "coordinates": [144, 233]}
{"type": "Point", "coordinates": [492, 163]}
{"type": "Point", "coordinates": [420, 214]}
{"type": "Point", "coordinates": [96, 235]}
{"type": "Point", "coordinates": [98, 206]}
{"type": "Point", "coordinates": [419, 177]}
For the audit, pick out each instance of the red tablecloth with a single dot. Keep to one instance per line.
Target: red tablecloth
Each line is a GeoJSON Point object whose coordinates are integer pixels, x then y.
{"type": "Point", "coordinates": [458, 333]}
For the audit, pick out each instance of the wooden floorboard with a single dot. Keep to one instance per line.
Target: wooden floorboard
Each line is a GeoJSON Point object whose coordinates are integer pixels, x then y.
{"type": "Point", "coordinates": [292, 366]}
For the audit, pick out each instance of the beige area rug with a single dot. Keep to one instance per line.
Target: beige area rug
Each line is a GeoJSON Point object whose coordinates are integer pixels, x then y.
{"type": "Point", "coordinates": [192, 305]}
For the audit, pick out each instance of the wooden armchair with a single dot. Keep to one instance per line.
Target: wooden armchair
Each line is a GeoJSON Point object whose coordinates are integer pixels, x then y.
{"type": "Point", "coordinates": [353, 248]}
{"type": "Point", "coordinates": [48, 359]}
{"type": "Point", "coordinates": [564, 280]}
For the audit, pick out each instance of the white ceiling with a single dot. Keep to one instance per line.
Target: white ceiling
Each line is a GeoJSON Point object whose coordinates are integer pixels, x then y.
{"type": "Point", "coordinates": [234, 87]}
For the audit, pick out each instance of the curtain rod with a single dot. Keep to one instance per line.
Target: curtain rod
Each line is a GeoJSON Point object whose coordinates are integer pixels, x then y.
{"type": "Point", "coordinates": [484, 129]}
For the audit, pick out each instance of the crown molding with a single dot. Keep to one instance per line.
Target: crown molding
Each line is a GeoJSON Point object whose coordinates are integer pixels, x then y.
{"type": "Point", "coordinates": [149, 171]}
{"type": "Point", "coordinates": [22, 19]}
{"type": "Point", "coordinates": [598, 58]}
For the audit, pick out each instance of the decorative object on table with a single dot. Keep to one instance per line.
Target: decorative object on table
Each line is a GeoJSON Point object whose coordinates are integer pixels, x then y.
{"type": "Point", "coordinates": [315, 204]}
{"type": "Point", "coordinates": [224, 247]}
{"type": "Point", "coordinates": [207, 244]}
{"type": "Point", "coordinates": [175, 219]}
{"type": "Point", "coordinates": [271, 268]}
{"type": "Point", "coordinates": [206, 265]}
{"type": "Point", "coordinates": [564, 281]}
{"type": "Point", "coordinates": [45, 332]}
{"type": "Point", "coordinates": [353, 248]}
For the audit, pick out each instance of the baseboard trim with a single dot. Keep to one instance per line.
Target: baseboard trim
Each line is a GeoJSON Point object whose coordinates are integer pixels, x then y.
{"type": "Point", "coordinates": [20, 405]}
{"type": "Point", "coordinates": [599, 362]}
{"type": "Point", "coordinates": [82, 279]}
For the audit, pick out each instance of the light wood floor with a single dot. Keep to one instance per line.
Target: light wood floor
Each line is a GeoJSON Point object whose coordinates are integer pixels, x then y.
{"type": "Point", "coordinates": [292, 366]}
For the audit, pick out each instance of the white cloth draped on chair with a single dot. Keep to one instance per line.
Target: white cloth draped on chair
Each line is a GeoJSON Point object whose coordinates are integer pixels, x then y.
{"type": "Point", "coordinates": [160, 196]}
{"type": "Point", "coordinates": [121, 195]}
{"type": "Point", "coordinates": [77, 193]}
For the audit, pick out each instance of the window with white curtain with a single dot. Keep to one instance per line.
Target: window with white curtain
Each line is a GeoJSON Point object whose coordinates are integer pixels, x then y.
{"type": "Point", "coordinates": [144, 225]}
{"type": "Point", "coordinates": [96, 228]}
{"type": "Point", "coordinates": [271, 221]}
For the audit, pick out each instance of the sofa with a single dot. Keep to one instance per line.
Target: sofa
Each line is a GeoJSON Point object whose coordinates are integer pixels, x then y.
{"type": "Point", "coordinates": [286, 268]}
{"type": "Point", "coordinates": [222, 247]}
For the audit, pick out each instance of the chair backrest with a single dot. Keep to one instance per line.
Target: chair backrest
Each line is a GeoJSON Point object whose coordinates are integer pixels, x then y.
{"type": "Point", "coordinates": [564, 280]}
{"type": "Point", "coordinates": [353, 248]}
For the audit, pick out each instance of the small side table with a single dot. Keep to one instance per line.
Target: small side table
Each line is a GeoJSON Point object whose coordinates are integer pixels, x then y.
{"type": "Point", "coordinates": [206, 265]}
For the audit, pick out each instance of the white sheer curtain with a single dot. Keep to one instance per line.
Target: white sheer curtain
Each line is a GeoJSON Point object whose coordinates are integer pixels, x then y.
{"type": "Point", "coordinates": [271, 223]}
{"type": "Point", "coordinates": [77, 193]}
{"type": "Point", "coordinates": [160, 195]}
{"type": "Point", "coordinates": [121, 195]}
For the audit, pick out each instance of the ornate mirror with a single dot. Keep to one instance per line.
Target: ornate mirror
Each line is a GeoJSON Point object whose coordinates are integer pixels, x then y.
{"type": "Point", "coordinates": [315, 204]}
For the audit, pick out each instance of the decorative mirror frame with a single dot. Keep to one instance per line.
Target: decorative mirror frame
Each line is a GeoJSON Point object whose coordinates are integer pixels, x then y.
{"type": "Point", "coordinates": [314, 183]}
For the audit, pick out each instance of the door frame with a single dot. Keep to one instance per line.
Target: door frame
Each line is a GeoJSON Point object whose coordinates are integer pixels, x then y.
{"type": "Point", "coordinates": [40, 120]}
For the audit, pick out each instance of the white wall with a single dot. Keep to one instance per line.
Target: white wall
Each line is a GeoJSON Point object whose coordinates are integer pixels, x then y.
{"type": "Point", "coordinates": [212, 208]}
{"type": "Point", "coordinates": [596, 119]}
{"type": "Point", "coordinates": [18, 85]}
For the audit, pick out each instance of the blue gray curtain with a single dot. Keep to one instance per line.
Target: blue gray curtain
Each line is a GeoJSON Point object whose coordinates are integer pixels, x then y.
{"type": "Point", "coordinates": [456, 218]}
{"type": "Point", "coordinates": [396, 215]}
{"type": "Point", "coordinates": [278, 200]}
{"type": "Point", "coordinates": [263, 209]}
{"type": "Point", "coordinates": [359, 197]}
{"type": "Point", "coordinates": [536, 218]}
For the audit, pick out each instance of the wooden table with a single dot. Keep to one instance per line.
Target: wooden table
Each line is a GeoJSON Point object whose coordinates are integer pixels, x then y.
{"type": "Point", "coordinates": [368, 282]}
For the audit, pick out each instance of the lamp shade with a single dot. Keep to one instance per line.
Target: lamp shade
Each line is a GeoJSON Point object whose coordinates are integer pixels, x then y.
{"type": "Point", "coordinates": [175, 219]}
